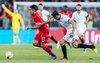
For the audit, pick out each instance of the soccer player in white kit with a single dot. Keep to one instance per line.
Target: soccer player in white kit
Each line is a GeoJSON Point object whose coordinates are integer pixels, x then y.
{"type": "Point", "coordinates": [70, 36]}
{"type": "Point", "coordinates": [45, 16]}
{"type": "Point", "coordinates": [81, 18]}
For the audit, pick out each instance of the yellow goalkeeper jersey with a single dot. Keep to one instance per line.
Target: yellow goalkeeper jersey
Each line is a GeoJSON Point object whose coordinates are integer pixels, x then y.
{"type": "Point", "coordinates": [16, 19]}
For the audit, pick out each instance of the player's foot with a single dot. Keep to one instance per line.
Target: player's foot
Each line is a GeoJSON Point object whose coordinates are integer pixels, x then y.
{"type": "Point", "coordinates": [71, 46]}
{"type": "Point", "coordinates": [53, 58]}
{"type": "Point", "coordinates": [85, 50]}
{"type": "Point", "coordinates": [62, 59]}
{"type": "Point", "coordinates": [95, 50]}
{"type": "Point", "coordinates": [58, 45]}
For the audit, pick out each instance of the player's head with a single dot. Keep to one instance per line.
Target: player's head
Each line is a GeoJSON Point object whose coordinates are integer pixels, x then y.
{"type": "Point", "coordinates": [33, 9]}
{"type": "Point", "coordinates": [15, 11]}
{"type": "Point", "coordinates": [40, 6]}
{"type": "Point", "coordinates": [65, 8]}
{"type": "Point", "coordinates": [56, 15]}
{"type": "Point", "coordinates": [78, 7]}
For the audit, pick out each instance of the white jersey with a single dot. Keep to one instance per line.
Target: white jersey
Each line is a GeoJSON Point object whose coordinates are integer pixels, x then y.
{"type": "Point", "coordinates": [45, 14]}
{"type": "Point", "coordinates": [64, 21]}
{"type": "Point", "coordinates": [80, 19]}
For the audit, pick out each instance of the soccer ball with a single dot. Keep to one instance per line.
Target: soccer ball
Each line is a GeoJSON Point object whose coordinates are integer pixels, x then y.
{"type": "Point", "coordinates": [9, 55]}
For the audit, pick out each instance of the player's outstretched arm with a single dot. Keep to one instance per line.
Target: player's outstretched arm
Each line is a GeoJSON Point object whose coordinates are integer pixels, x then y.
{"type": "Point", "coordinates": [35, 27]}
{"type": "Point", "coordinates": [73, 27]}
{"type": "Point", "coordinates": [46, 22]}
{"type": "Point", "coordinates": [8, 11]}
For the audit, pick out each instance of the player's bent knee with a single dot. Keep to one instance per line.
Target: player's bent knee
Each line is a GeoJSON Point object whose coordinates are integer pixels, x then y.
{"type": "Point", "coordinates": [80, 36]}
{"type": "Point", "coordinates": [35, 43]}
{"type": "Point", "coordinates": [75, 44]}
{"type": "Point", "coordinates": [62, 42]}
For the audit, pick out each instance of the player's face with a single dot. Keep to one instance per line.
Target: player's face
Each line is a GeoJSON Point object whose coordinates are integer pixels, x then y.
{"type": "Point", "coordinates": [57, 17]}
{"type": "Point", "coordinates": [78, 8]}
{"type": "Point", "coordinates": [15, 11]}
{"type": "Point", "coordinates": [32, 12]}
{"type": "Point", "coordinates": [40, 7]}
{"type": "Point", "coordinates": [65, 9]}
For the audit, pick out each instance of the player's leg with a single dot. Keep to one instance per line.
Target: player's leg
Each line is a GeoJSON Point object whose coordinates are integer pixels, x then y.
{"type": "Point", "coordinates": [64, 50]}
{"type": "Point", "coordinates": [81, 38]}
{"type": "Point", "coordinates": [81, 31]}
{"type": "Point", "coordinates": [44, 40]}
{"type": "Point", "coordinates": [64, 32]}
{"type": "Point", "coordinates": [52, 38]}
{"type": "Point", "coordinates": [76, 45]}
{"type": "Point", "coordinates": [15, 31]}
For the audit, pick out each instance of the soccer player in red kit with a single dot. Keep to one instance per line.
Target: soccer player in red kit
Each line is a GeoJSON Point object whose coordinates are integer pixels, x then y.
{"type": "Point", "coordinates": [41, 38]}
{"type": "Point", "coordinates": [69, 14]}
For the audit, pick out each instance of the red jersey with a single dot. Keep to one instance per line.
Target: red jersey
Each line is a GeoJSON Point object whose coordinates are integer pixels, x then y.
{"type": "Point", "coordinates": [37, 18]}
{"type": "Point", "coordinates": [68, 13]}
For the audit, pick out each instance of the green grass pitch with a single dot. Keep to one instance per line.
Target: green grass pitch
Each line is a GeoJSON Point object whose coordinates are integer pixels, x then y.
{"type": "Point", "coordinates": [28, 54]}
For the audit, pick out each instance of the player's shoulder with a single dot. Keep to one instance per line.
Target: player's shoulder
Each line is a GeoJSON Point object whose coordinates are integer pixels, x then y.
{"type": "Point", "coordinates": [45, 11]}
{"type": "Point", "coordinates": [83, 11]}
{"type": "Point", "coordinates": [64, 16]}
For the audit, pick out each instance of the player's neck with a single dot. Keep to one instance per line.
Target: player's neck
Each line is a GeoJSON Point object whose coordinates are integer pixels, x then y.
{"type": "Point", "coordinates": [79, 11]}
{"type": "Point", "coordinates": [41, 10]}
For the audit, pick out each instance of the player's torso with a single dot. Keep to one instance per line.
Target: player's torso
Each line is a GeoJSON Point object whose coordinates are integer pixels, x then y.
{"type": "Point", "coordinates": [44, 14]}
{"type": "Point", "coordinates": [64, 21]}
{"type": "Point", "coordinates": [38, 19]}
{"type": "Point", "coordinates": [15, 20]}
{"type": "Point", "coordinates": [80, 17]}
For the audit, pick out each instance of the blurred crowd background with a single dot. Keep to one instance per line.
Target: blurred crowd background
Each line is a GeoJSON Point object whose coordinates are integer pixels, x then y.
{"type": "Point", "coordinates": [5, 19]}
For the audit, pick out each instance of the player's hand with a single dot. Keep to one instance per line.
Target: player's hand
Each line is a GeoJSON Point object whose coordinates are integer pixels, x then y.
{"type": "Point", "coordinates": [3, 6]}
{"type": "Point", "coordinates": [71, 34]}
{"type": "Point", "coordinates": [28, 28]}
{"type": "Point", "coordinates": [39, 24]}
{"type": "Point", "coordinates": [85, 22]}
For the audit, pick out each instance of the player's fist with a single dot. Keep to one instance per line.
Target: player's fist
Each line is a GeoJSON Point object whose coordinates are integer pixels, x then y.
{"type": "Point", "coordinates": [28, 28]}
{"type": "Point", "coordinates": [3, 6]}
{"type": "Point", "coordinates": [71, 34]}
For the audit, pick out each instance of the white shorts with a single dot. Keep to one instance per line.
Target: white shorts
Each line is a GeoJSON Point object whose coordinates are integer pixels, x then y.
{"type": "Point", "coordinates": [68, 38]}
{"type": "Point", "coordinates": [81, 29]}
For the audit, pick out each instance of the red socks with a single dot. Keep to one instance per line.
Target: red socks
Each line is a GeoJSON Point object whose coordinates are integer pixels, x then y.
{"type": "Point", "coordinates": [68, 43]}
{"type": "Point", "coordinates": [47, 49]}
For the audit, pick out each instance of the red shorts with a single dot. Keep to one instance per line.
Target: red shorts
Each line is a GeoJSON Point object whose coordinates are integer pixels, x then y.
{"type": "Point", "coordinates": [64, 30]}
{"type": "Point", "coordinates": [42, 37]}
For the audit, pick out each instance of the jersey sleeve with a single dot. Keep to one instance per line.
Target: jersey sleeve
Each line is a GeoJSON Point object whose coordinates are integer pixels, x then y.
{"type": "Point", "coordinates": [9, 12]}
{"type": "Point", "coordinates": [86, 14]}
{"type": "Point", "coordinates": [21, 20]}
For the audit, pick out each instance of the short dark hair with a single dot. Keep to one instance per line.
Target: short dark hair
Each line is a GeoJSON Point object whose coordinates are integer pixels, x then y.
{"type": "Point", "coordinates": [34, 7]}
{"type": "Point", "coordinates": [65, 6]}
{"type": "Point", "coordinates": [55, 13]}
{"type": "Point", "coordinates": [40, 4]}
{"type": "Point", "coordinates": [79, 5]}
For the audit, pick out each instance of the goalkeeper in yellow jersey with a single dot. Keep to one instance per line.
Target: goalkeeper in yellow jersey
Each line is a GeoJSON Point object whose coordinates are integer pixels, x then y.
{"type": "Point", "coordinates": [15, 23]}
